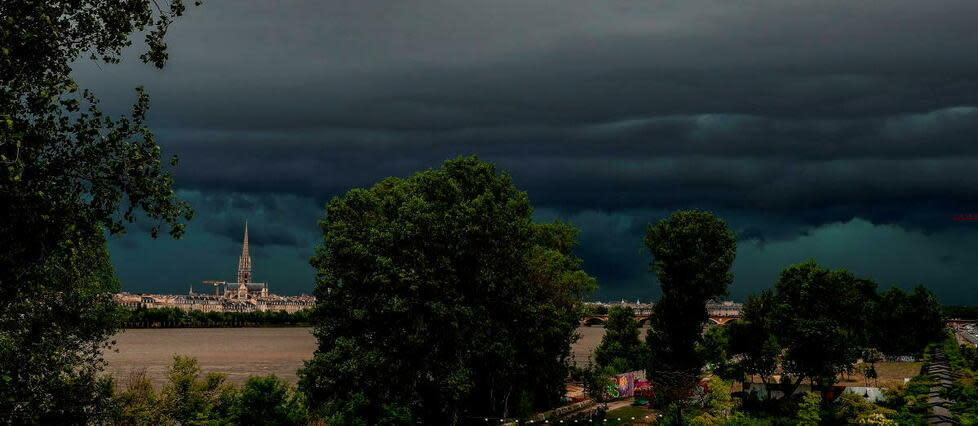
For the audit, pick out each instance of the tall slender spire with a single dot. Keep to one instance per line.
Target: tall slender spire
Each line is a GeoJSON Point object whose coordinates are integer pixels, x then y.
{"type": "Point", "coordinates": [244, 263]}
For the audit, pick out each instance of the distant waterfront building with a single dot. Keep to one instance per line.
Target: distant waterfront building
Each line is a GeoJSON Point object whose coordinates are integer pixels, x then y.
{"type": "Point", "coordinates": [720, 312]}
{"type": "Point", "coordinates": [725, 308]}
{"type": "Point", "coordinates": [240, 296]}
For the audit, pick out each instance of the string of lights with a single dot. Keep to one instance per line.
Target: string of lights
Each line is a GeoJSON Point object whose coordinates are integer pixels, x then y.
{"type": "Point", "coordinates": [510, 420]}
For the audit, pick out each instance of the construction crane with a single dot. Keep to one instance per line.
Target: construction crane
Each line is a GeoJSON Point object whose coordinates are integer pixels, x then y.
{"type": "Point", "coordinates": [215, 284]}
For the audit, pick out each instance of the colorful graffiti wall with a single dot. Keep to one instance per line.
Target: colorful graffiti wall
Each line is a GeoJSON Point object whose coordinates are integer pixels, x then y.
{"type": "Point", "coordinates": [624, 385]}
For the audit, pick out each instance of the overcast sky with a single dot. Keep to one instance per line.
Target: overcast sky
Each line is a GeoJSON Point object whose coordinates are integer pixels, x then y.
{"type": "Point", "coordinates": [836, 130]}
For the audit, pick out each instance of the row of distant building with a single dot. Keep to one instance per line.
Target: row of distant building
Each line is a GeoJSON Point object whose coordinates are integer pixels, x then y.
{"type": "Point", "coordinates": [247, 296]}
{"type": "Point", "coordinates": [724, 308]}
{"type": "Point", "coordinates": [241, 296]}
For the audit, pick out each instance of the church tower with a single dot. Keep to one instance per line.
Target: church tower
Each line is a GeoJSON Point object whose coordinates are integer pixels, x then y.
{"type": "Point", "coordinates": [244, 263]}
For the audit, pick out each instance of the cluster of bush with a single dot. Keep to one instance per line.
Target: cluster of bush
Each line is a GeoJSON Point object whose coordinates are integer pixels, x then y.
{"type": "Point", "coordinates": [189, 399]}
{"type": "Point", "coordinates": [174, 317]}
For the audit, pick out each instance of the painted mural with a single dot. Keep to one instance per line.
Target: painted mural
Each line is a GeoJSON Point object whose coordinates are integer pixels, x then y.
{"type": "Point", "coordinates": [624, 385]}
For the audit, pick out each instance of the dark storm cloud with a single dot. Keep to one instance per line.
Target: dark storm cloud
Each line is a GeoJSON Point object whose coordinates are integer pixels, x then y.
{"type": "Point", "coordinates": [914, 169]}
{"type": "Point", "coordinates": [458, 65]}
{"type": "Point", "coordinates": [786, 117]}
{"type": "Point", "coordinates": [263, 235]}
{"type": "Point", "coordinates": [280, 220]}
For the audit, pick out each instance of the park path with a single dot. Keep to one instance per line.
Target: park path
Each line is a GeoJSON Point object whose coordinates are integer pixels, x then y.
{"type": "Point", "coordinates": [940, 370]}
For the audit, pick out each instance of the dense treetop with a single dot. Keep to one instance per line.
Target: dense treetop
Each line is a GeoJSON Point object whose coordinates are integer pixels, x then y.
{"type": "Point", "coordinates": [816, 323]}
{"type": "Point", "coordinates": [439, 299]}
{"type": "Point", "coordinates": [692, 252]}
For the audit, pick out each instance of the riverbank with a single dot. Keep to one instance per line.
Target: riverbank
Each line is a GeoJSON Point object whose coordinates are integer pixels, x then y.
{"type": "Point", "coordinates": [237, 352]}
{"type": "Point", "coordinates": [245, 351]}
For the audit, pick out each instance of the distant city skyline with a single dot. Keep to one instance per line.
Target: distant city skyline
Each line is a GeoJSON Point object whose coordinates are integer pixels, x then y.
{"type": "Point", "coordinates": [287, 269]}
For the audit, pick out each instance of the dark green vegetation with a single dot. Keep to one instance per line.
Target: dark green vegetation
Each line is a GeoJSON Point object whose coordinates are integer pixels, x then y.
{"type": "Point", "coordinates": [439, 301]}
{"type": "Point", "coordinates": [189, 399]}
{"type": "Point", "coordinates": [812, 327]}
{"type": "Point", "coordinates": [909, 403]}
{"type": "Point", "coordinates": [816, 323]}
{"type": "Point", "coordinates": [621, 348]}
{"type": "Point", "coordinates": [964, 390]}
{"type": "Point", "coordinates": [68, 173]}
{"type": "Point", "coordinates": [594, 310]}
{"type": "Point", "coordinates": [173, 317]}
{"type": "Point", "coordinates": [692, 253]}
{"type": "Point", "coordinates": [961, 312]}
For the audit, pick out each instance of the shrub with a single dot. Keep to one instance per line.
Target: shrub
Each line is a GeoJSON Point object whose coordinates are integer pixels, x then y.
{"type": "Point", "coordinates": [268, 400]}
{"type": "Point", "coordinates": [809, 410]}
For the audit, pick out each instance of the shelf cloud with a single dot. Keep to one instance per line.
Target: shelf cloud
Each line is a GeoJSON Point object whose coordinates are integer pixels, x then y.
{"type": "Point", "coordinates": [790, 119]}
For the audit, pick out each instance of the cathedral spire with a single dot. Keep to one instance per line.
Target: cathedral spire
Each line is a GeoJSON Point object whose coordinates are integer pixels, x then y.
{"type": "Point", "coordinates": [244, 263]}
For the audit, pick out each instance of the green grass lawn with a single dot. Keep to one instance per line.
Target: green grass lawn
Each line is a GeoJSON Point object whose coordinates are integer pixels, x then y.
{"type": "Point", "coordinates": [890, 374]}
{"type": "Point", "coordinates": [626, 414]}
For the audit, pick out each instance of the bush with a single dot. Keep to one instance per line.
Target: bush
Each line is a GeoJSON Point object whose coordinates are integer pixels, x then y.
{"type": "Point", "coordinates": [851, 408]}
{"type": "Point", "coordinates": [810, 410]}
{"type": "Point", "coordinates": [188, 399]}
{"type": "Point", "coordinates": [138, 403]}
{"type": "Point", "coordinates": [909, 401]}
{"type": "Point", "coordinates": [268, 400]}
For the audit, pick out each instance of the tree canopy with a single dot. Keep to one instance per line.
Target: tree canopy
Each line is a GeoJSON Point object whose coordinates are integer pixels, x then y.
{"type": "Point", "coordinates": [68, 173]}
{"type": "Point", "coordinates": [692, 252]}
{"type": "Point", "coordinates": [621, 348]}
{"type": "Point", "coordinates": [816, 323]}
{"type": "Point", "coordinates": [439, 299]}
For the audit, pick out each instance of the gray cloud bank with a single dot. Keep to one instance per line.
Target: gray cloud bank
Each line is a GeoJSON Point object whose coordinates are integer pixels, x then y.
{"type": "Point", "coordinates": [789, 118]}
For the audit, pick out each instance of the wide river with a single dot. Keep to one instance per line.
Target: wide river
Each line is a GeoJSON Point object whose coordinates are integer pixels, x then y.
{"type": "Point", "coordinates": [243, 352]}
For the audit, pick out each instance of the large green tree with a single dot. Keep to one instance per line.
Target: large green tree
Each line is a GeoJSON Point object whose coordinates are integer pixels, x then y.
{"type": "Point", "coordinates": [813, 325]}
{"type": "Point", "coordinates": [753, 342]}
{"type": "Point", "coordinates": [692, 252]}
{"type": "Point", "coordinates": [904, 323]}
{"type": "Point", "coordinates": [812, 319]}
{"type": "Point", "coordinates": [621, 348]}
{"type": "Point", "coordinates": [439, 300]}
{"type": "Point", "coordinates": [820, 318]}
{"type": "Point", "coordinates": [68, 173]}
{"type": "Point", "coordinates": [816, 323]}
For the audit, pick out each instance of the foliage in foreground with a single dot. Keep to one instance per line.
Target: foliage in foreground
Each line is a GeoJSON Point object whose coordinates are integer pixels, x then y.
{"type": "Point", "coordinates": [439, 300]}
{"type": "Point", "coordinates": [621, 348]}
{"type": "Point", "coordinates": [807, 409]}
{"type": "Point", "coordinates": [189, 399]}
{"type": "Point", "coordinates": [963, 392]}
{"type": "Point", "coordinates": [68, 173]}
{"type": "Point", "coordinates": [692, 252]}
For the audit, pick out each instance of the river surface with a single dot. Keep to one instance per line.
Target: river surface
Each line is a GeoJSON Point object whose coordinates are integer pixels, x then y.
{"type": "Point", "coordinates": [243, 352]}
